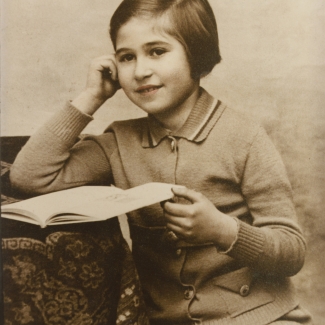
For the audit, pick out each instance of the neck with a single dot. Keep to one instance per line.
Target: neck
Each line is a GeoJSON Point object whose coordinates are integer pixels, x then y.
{"type": "Point", "coordinates": [175, 117]}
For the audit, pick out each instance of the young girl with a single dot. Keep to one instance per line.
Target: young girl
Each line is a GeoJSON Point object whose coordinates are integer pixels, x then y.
{"type": "Point", "coordinates": [223, 250]}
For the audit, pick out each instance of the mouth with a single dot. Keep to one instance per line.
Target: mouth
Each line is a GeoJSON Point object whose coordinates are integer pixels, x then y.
{"type": "Point", "coordinates": [148, 89]}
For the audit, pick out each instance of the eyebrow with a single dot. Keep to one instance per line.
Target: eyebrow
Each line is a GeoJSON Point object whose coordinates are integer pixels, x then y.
{"type": "Point", "coordinates": [149, 44]}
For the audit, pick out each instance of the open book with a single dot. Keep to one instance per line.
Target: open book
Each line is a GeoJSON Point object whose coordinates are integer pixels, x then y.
{"type": "Point", "coordinates": [85, 204]}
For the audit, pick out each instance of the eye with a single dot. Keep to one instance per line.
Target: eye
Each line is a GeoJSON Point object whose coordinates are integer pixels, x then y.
{"type": "Point", "coordinates": [126, 58]}
{"type": "Point", "coordinates": [157, 52]}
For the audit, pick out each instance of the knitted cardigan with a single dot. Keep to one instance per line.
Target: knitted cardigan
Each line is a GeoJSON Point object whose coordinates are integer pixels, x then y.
{"type": "Point", "coordinates": [217, 152]}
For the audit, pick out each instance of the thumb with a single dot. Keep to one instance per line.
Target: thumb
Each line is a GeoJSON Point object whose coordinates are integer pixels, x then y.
{"type": "Point", "coordinates": [187, 194]}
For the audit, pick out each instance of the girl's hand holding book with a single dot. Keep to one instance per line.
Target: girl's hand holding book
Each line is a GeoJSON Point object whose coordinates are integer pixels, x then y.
{"type": "Point", "coordinates": [199, 221]}
{"type": "Point", "coordinates": [102, 83]}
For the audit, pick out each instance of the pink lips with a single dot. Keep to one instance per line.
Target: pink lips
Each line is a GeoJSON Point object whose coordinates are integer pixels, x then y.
{"type": "Point", "coordinates": [147, 89]}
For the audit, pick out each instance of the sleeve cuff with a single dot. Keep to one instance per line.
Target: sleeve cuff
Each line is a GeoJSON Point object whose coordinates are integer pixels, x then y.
{"type": "Point", "coordinates": [68, 122]}
{"type": "Point", "coordinates": [248, 244]}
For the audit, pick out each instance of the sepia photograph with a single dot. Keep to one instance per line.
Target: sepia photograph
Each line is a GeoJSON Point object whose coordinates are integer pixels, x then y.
{"type": "Point", "coordinates": [162, 162]}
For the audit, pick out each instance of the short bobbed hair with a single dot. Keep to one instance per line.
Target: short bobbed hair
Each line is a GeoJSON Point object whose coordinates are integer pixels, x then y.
{"type": "Point", "coordinates": [193, 24]}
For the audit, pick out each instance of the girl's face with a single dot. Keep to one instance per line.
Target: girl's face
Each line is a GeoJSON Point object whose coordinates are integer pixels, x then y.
{"type": "Point", "coordinates": [153, 70]}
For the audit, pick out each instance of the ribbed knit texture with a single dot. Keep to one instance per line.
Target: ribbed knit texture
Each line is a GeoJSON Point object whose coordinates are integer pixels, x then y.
{"type": "Point", "coordinates": [249, 243]}
{"type": "Point", "coordinates": [267, 313]}
{"type": "Point", "coordinates": [68, 123]}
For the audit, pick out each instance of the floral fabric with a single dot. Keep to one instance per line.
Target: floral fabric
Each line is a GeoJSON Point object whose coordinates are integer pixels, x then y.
{"type": "Point", "coordinates": [67, 275]}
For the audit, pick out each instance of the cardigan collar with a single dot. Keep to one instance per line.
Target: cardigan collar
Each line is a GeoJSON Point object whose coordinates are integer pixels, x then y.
{"type": "Point", "coordinates": [196, 128]}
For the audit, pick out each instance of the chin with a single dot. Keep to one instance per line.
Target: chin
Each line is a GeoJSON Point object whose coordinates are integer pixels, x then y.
{"type": "Point", "coordinates": [153, 110]}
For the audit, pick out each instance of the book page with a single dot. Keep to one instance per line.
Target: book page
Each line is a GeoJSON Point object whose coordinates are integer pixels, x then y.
{"type": "Point", "coordinates": [44, 206]}
{"type": "Point", "coordinates": [123, 202]}
{"type": "Point", "coordinates": [26, 217]}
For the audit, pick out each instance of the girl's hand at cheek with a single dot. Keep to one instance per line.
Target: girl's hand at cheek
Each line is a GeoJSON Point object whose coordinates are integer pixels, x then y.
{"type": "Point", "coordinates": [102, 79]}
{"type": "Point", "coordinates": [199, 221]}
{"type": "Point", "coordinates": [102, 83]}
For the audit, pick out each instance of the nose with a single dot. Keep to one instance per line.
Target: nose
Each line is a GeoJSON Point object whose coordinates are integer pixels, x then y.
{"type": "Point", "coordinates": [142, 68]}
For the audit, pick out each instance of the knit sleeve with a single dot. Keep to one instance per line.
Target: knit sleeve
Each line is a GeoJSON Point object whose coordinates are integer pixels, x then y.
{"type": "Point", "coordinates": [273, 244]}
{"type": "Point", "coordinates": [55, 158]}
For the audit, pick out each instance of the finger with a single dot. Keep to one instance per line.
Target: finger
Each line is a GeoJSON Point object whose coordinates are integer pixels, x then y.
{"type": "Point", "coordinates": [176, 223]}
{"type": "Point", "coordinates": [173, 219]}
{"type": "Point", "coordinates": [177, 209]}
{"type": "Point", "coordinates": [187, 194]}
{"type": "Point", "coordinates": [108, 57]}
{"type": "Point", "coordinates": [109, 69]}
{"type": "Point", "coordinates": [175, 229]}
{"type": "Point", "coordinates": [107, 66]}
{"type": "Point", "coordinates": [117, 84]}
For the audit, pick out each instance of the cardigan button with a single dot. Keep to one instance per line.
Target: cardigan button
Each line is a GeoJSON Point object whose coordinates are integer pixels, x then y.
{"type": "Point", "coordinates": [244, 290]}
{"type": "Point", "coordinates": [189, 293]}
{"type": "Point", "coordinates": [178, 252]}
{"type": "Point", "coordinates": [171, 236]}
{"type": "Point", "coordinates": [173, 143]}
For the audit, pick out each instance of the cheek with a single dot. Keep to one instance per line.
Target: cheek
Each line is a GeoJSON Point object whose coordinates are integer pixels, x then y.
{"type": "Point", "coordinates": [179, 69]}
{"type": "Point", "coordinates": [179, 77]}
{"type": "Point", "coordinates": [123, 77]}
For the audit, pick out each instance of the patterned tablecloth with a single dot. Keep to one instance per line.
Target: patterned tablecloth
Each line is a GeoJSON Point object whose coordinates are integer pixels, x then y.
{"type": "Point", "coordinates": [77, 274]}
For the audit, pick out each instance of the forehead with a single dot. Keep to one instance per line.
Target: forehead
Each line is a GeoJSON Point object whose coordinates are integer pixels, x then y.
{"type": "Point", "coordinates": [142, 30]}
